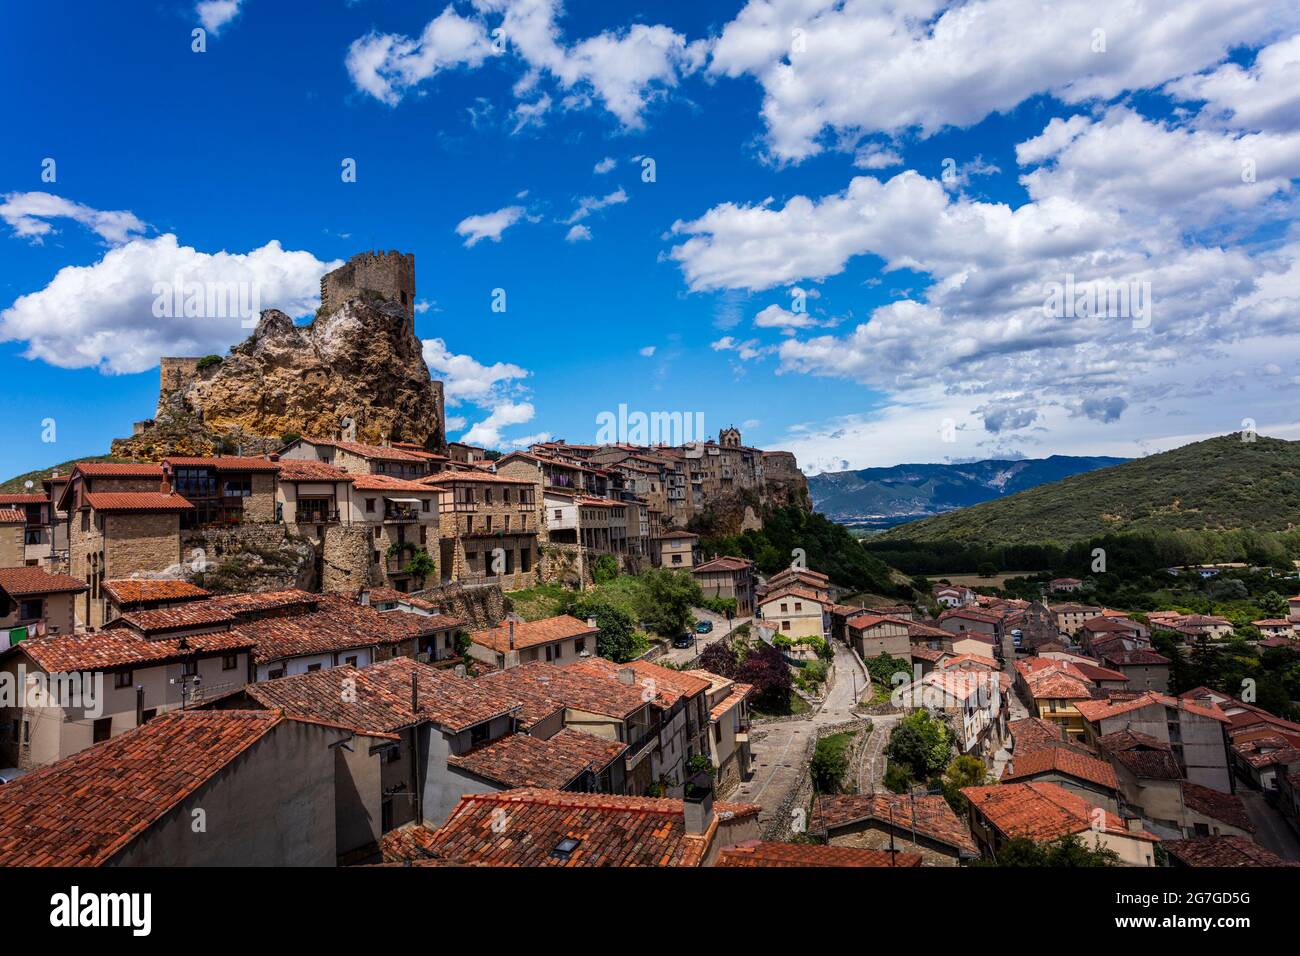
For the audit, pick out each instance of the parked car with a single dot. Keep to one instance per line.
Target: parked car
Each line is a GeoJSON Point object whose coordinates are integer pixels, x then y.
{"type": "Point", "coordinates": [683, 640]}
{"type": "Point", "coordinates": [703, 627]}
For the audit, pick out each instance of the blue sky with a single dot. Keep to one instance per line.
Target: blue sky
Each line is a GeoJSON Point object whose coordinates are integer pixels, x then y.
{"type": "Point", "coordinates": [922, 184]}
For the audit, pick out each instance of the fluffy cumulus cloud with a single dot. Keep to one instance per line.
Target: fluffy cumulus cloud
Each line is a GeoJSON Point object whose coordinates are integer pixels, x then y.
{"type": "Point", "coordinates": [488, 431]}
{"type": "Point", "coordinates": [215, 14]}
{"type": "Point", "coordinates": [622, 70]}
{"type": "Point", "coordinates": [496, 389]}
{"type": "Point", "coordinates": [1263, 96]}
{"type": "Point", "coordinates": [152, 297]}
{"type": "Point", "coordinates": [488, 225]}
{"type": "Point", "coordinates": [32, 216]}
{"type": "Point", "coordinates": [838, 69]}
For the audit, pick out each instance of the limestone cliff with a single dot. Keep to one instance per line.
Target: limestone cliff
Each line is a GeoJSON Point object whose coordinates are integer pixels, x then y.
{"type": "Point", "coordinates": [359, 363]}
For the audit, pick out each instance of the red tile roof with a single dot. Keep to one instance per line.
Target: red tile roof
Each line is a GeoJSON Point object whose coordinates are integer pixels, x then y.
{"type": "Point", "coordinates": [1120, 657]}
{"type": "Point", "coordinates": [478, 477]}
{"type": "Point", "coordinates": [756, 853]}
{"type": "Point", "coordinates": [739, 692]}
{"type": "Point", "coordinates": [302, 469]}
{"type": "Point", "coordinates": [1062, 760]}
{"type": "Point", "coordinates": [532, 633]}
{"type": "Point", "coordinates": [1043, 812]}
{"type": "Point", "coordinates": [85, 808]}
{"type": "Point", "coordinates": [1225, 807]}
{"type": "Point", "coordinates": [931, 816]}
{"type": "Point", "coordinates": [1222, 851]}
{"type": "Point", "coordinates": [141, 590]}
{"type": "Point", "coordinates": [378, 698]}
{"type": "Point", "coordinates": [1094, 711]}
{"type": "Point", "coordinates": [667, 685]}
{"type": "Point", "coordinates": [1143, 755]}
{"type": "Point", "coordinates": [119, 469]}
{"type": "Point", "coordinates": [388, 483]}
{"type": "Point", "coordinates": [24, 499]}
{"type": "Point", "coordinates": [18, 582]}
{"type": "Point", "coordinates": [362, 450]}
{"type": "Point", "coordinates": [337, 625]}
{"type": "Point", "coordinates": [119, 648]}
{"type": "Point", "coordinates": [137, 501]}
{"type": "Point", "coordinates": [789, 590]}
{"type": "Point", "coordinates": [566, 688]}
{"type": "Point", "coordinates": [225, 463]}
{"type": "Point", "coordinates": [521, 760]}
{"type": "Point", "coordinates": [525, 828]}
{"type": "Point", "coordinates": [177, 617]}
{"type": "Point", "coordinates": [723, 564]}
{"type": "Point", "coordinates": [12, 516]}
{"type": "Point", "coordinates": [1033, 733]}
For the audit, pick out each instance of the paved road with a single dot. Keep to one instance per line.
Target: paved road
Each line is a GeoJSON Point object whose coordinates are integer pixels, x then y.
{"type": "Point", "coordinates": [779, 756]}
{"type": "Point", "coordinates": [1271, 831]}
{"type": "Point", "coordinates": [872, 761]}
{"type": "Point", "coordinates": [680, 656]}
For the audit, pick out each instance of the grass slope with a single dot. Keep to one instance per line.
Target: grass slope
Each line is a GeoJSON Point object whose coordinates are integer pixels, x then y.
{"type": "Point", "coordinates": [14, 486]}
{"type": "Point", "coordinates": [1221, 484]}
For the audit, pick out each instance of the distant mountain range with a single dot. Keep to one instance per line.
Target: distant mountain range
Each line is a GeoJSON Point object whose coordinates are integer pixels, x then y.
{"type": "Point", "coordinates": [1219, 484]}
{"type": "Point", "coordinates": [884, 497]}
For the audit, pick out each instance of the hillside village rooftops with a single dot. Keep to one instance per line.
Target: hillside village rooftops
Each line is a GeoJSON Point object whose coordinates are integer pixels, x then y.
{"type": "Point", "coordinates": [178, 617]}
{"type": "Point", "coordinates": [521, 760]}
{"type": "Point", "coordinates": [1224, 807]}
{"type": "Point", "coordinates": [1043, 812]}
{"type": "Point", "coordinates": [1063, 760]}
{"type": "Point", "coordinates": [303, 469]}
{"type": "Point", "coordinates": [336, 625]}
{"type": "Point", "coordinates": [1123, 657]}
{"type": "Point", "coordinates": [569, 688]}
{"type": "Point", "coordinates": [225, 463]}
{"type": "Point", "coordinates": [24, 581]}
{"type": "Point", "coordinates": [723, 564]}
{"type": "Point", "coordinates": [381, 697]}
{"type": "Point", "coordinates": [144, 590]}
{"type": "Point", "coordinates": [523, 634]}
{"type": "Point", "coordinates": [1144, 756]}
{"type": "Point", "coordinates": [930, 816]}
{"type": "Point", "coordinates": [1033, 733]}
{"type": "Point", "coordinates": [1222, 851]}
{"type": "Point", "coordinates": [984, 617]}
{"type": "Point", "coordinates": [119, 469]}
{"type": "Point", "coordinates": [669, 685]}
{"type": "Point", "coordinates": [1094, 711]}
{"type": "Point", "coordinates": [362, 450]}
{"type": "Point", "coordinates": [121, 648]}
{"type": "Point", "coordinates": [388, 483]}
{"type": "Point", "coordinates": [137, 501]}
{"type": "Point", "coordinates": [758, 853]}
{"type": "Point", "coordinates": [85, 808]}
{"type": "Point", "coordinates": [555, 828]}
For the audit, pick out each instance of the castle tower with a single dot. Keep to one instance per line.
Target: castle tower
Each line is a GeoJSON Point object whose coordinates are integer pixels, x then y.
{"type": "Point", "coordinates": [729, 437]}
{"type": "Point", "coordinates": [388, 274]}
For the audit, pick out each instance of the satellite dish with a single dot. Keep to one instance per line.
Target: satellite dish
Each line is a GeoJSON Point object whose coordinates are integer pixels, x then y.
{"type": "Point", "coordinates": [28, 484]}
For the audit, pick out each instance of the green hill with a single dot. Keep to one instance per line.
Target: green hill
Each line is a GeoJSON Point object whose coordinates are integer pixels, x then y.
{"type": "Point", "coordinates": [15, 485]}
{"type": "Point", "coordinates": [1219, 484]}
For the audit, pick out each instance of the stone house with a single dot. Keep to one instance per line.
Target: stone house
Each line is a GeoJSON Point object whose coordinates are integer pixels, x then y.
{"type": "Point", "coordinates": [34, 603]}
{"type": "Point", "coordinates": [728, 577]}
{"type": "Point", "coordinates": [489, 529]}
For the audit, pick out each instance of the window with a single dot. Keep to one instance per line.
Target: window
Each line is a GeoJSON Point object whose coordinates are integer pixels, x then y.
{"type": "Point", "coordinates": [275, 673]}
{"type": "Point", "coordinates": [370, 505]}
{"type": "Point", "coordinates": [31, 610]}
{"type": "Point", "coordinates": [558, 514]}
{"type": "Point", "coordinates": [424, 504]}
{"type": "Point", "coordinates": [798, 605]}
{"type": "Point", "coordinates": [149, 714]}
{"type": "Point", "coordinates": [190, 668]}
{"type": "Point", "coordinates": [525, 559]}
{"type": "Point", "coordinates": [122, 679]}
{"type": "Point", "coordinates": [103, 729]}
{"type": "Point", "coordinates": [313, 667]}
{"type": "Point", "coordinates": [240, 487]}
{"type": "Point", "coordinates": [229, 662]}
{"type": "Point", "coordinates": [478, 734]}
{"type": "Point", "coordinates": [784, 608]}
{"type": "Point", "coordinates": [350, 661]}
{"type": "Point", "coordinates": [677, 559]}
{"type": "Point", "coordinates": [785, 625]}
{"type": "Point", "coordinates": [717, 732]}
{"type": "Point", "coordinates": [580, 645]}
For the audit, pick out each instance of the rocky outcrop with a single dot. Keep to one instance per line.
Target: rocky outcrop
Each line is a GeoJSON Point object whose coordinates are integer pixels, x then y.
{"type": "Point", "coordinates": [359, 366]}
{"type": "Point", "coordinates": [254, 557]}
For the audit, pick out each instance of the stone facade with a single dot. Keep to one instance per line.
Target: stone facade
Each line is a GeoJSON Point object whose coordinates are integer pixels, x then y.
{"type": "Point", "coordinates": [106, 546]}
{"type": "Point", "coordinates": [389, 274]}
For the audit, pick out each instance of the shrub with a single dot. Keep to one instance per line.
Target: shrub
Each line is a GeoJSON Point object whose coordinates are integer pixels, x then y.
{"type": "Point", "coordinates": [208, 361]}
{"type": "Point", "coordinates": [830, 762]}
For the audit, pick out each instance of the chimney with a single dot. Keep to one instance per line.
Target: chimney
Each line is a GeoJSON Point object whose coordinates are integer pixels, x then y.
{"type": "Point", "coordinates": [415, 694]}
{"type": "Point", "coordinates": [1134, 824]}
{"type": "Point", "coordinates": [698, 803]}
{"type": "Point", "coordinates": [591, 622]}
{"type": "Point", "coordinates": [627, 675]}
{"type": "Point", "coordinates": [512, 635]}
{"type": "Point", "coordinates": [363, 597]}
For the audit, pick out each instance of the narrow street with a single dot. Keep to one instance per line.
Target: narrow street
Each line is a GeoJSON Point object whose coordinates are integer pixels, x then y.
{"type": "Point", "coordinates": [684, 655]}
{"type": "Point", "coordinates": [1271, 831]}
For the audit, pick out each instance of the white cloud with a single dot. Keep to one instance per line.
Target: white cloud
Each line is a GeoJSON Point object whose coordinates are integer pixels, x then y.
{"type": "Point", "coordinates": [102, 315]}
{"type": "Point", "coordinates": [589, 204]}
{"type": "Point", "coordinates": [577, 234]}
{"type": "Point", "coordinates": [215, 14]}
{"type": "Point", "coordinates": [489, 225]}
{"type": "Point", "coordinates": [456, 422]}
{"type": "Point", "coordinates": [775, 317]}
{"type": "Point", "coordinates": [1263, 96]}
{"type": "Point", "coordinates": [488, 431]}
{"type": "Point", "coordinates": [859, 67]}
{"type": "Point", "coordinates": [388, 65]}
{"type": "Point", "coordinates": [875, 156]}
{"type": "Point", "coordinates": [28, 215]}
{"type": "Point", "coordinates": [647, 351]}
{"type": "Point", "coordinates": [466, 379]}
{"type": "Point", "coordinates": [604, 166]}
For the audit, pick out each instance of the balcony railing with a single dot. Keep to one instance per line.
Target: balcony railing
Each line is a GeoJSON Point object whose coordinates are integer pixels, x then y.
{"type": "Point", "coordinates": [315, 516]}
{"type": "Point", "coordinates": [401, 515]}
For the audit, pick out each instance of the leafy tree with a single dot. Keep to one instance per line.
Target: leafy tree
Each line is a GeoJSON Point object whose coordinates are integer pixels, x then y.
{"type": "Point", "coordinates": [898, 779]}
{"type": "Point", "coordinates": [666, 599]}
{"type": "Point", "coordinates": [720, 658]}
{"type": "Point", "coordinates": [883, 668]}
{"type": "Point", "coordinates": [965, 771]}
{"type": "Point", "coordinates": [766, 669]}
{"type": "Point", "coordinates": [830, 762]}
{"type": "Point", "coordinates": [617, 639]}
{"type": "Point", "coordinates": [1273, 604]}
{"type": "Point", "coordinates": [922, 742]}
{"type": "Point", "coordinates": [604, 569]}
{"type": "Point", "coordinates": [420, 566]}
{"type": "Point", "coordinates": [988, 570]}
{"type": "Point", "coordinates": [1065, 851]}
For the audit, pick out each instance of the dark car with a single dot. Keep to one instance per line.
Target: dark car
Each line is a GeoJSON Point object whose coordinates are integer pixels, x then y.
{"type": "Point", "coordinates": [703, 627]}
{"type": "Point", "coordinates": [683, 640]}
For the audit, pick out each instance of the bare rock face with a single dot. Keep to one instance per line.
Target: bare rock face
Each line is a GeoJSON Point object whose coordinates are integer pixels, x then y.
{"type": "Point", "coordinates": [360, 364]}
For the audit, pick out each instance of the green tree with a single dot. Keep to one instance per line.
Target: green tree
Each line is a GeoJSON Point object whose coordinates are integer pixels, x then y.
{"type": "Point", "coordinates": [830, 762]}
{"type": "Point", "coordinates": [965, 771]}
{"type": "Point", "coordinates": [666, 599]}
{"type": "Point", "coordinates": [617, 639]}
{"type": "Point", "coordinates": [604, 569]}
{"type": "Point", "coordinates": [421, 566]}
{"type": "Point", "coordinates": [1065, 851]}
{"type": "Point", "coordinates": [922, 742]}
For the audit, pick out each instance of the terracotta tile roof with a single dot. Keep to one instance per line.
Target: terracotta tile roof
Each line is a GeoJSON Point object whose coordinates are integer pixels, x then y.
{"type": "Point", "coordinates": [120, 648]}
{"type": "Point", "coordinates": [920, 631]}
{"type": "Point", "coordinates": [1121, 657]}
{"type": "Point", "coordinates": [12, 516]}
{"type": "Point", "coordinates": [1225, 807]}
{"type": "Point", "coordinates": [608, 830]}
{"type": "Point", "coordinates": [338, 625]}
{"type": "Point", "coordinates": [24, 499]}
{"type": "Point", "coordinates": [723, 564]}
{"type": "Point", "coordinates": [225, 463]}
{"type": "Point", "coordinates": [1110, 625]}
{"type": "Point", "coordinates": [532, 633]}
{"type": "Point", "coordinates": [1222, 851]}
{"type": "Point", "coordinates": [739, 692]}
{"type": "Point", "coordinates": [83, 809]}
{"type": "Point", "coordinates": [140, 590]}
{"type": "Point", "coordinates": [920, 653]}
{"type": "Point", "coordinates": [251, 602]}
{"type": "Point", "coordinates": [381, 697]}
{"type": "Point", "coordinates": [566, 688]}
{"type": "Point", "coordinates": [178, 617]}
{"type": "Point", "coordinates": [521, 760]}
{"type": "Point", "coordinates": [789, 590]}
{"type": "Point", "coordinates": [971, 660]}
{"type": "Point", "coordinates": [1062, 760]}
{"type": "Point", "coordinates": [669, 686]}
{"type": "Point", "coordinates": [1032, 733]}
{"type": "Point", "coordinates": [138, 501]}
{"type": "Point", "coordinates": [302, 469]}
{"type": "Point", "coordinates": [674, 535]}
{"type": "Point", "coordinates": [388, 483]}
{"type": "Point", "coordinates": [804, 574]}
{"type": "Point", "coordinates": [18, 582]}
{"type": "Point", "coordinates": [408, 843]}
{"type": "Point", "coordinates": [1043, 812]}
{"type": "Point", "coordinates": [1144, 756]}
{"type": "Point", "coordinates": [477, 477]}
{"type": "Point", "coordinates": [1273, 622]}
{"type": "Point", "coordinates": [968, 614]}
{"type": "Point", "coordinates": [860, 621]}
{"type": "Point", "coordinates": [362, 450]}
{"type": "Point", "coordinates": [756, 853]}
{"type": "Point", "coordinates": [1096, 673]}
{"type": "Point", "coordinates": [933, 819]}
{"type": "Point", "coordinates": [1094, 711]}
{"type": "Point", "coordinates": [119, 469]}
{"type": "Point", "coordinates": [1267, 752]}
